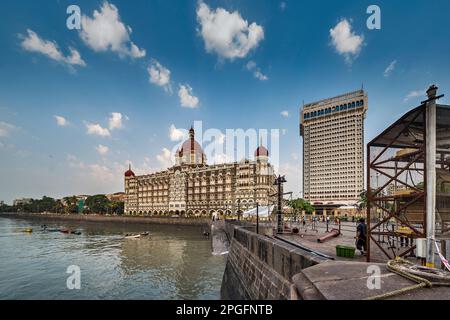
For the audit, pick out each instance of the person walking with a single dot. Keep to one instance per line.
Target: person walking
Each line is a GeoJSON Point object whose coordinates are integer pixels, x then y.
{"type": "Point", "coordinates": [361, 236]}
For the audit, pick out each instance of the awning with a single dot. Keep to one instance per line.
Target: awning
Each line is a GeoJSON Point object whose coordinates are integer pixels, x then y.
{"type": "Point", "coordinates": [264, 212]}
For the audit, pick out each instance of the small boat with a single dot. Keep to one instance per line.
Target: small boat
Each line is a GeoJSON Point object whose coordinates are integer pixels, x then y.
{"type": "Point", "coordinates": [136, 236]}
{"type": "Point", "coordinates": [28, 230]}
{"type": "Point", "coordinates": [64, 230]}
{"type": "Point", "coordinates": [76, 232]}
{"type": "Point", "coordinates": [52, 230]}
{"type": "Point", "coordinates": [145, 234]}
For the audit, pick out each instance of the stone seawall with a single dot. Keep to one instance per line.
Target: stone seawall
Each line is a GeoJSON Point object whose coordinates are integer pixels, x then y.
{"type": "Point", "coordinates": [261, 267]}
{"type": "Point", "coordinates": [118, 219]}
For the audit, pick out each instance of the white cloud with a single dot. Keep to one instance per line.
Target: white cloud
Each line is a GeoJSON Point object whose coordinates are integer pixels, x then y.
{"type": "Point", "coordinates": [96, 129]}
{"type": "Point", "coordinates": [283, 6]}
{"type": "Point", "coordinates": [33, 43]}
{"type": "Point", "coordinates": [101, 173]}
{"type": "Point", "coordinates": [390, 69]}
{"type": "Point", "coordinates": [177, 134]}
{"type": "Point", "coordinates": [414, 94]}
{"type": "Point", "coordinates": [115, 121]}
{"type": "Point", "coordinates": [165, 158]}
{"type": "Point", "coordinates": [159, 75]}
{"type": "Point", "coordinates": [101, 149]}
{"type": "Point", "coordinates": [106, 32]}
{"type": "Point", "coordinates": [5, 129]}
{"type": "Point", "coordinates": [251, 66]}
{"type": "Point", "coordinates": [61, 121]}
{"type": "Point", "coordinates": [227, 34]}
{"type": "Point", "coordinates": [187, 99]}
{"type": "Point", "coordinates": [345, 40]}
{"type": "Point", "coordinates": [260, 76]}
{"type": "Point", "coordinates": [285, 113]}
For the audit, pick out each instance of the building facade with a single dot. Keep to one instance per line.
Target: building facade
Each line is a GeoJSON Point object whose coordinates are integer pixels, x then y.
{"type": "Point", "coordinates": [193, 188]}
{"type": "Point", "coordinates": [333, 149]}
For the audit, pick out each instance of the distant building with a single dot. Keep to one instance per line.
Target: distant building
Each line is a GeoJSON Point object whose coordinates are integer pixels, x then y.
{"type": "Point", "coordinates": [193, 188]}
{"type": "Point", "coordinates": [116, 197]}
{"type": "Point", "coordinates": [2, 203]}
{"type": "Point", "coordinates": [22, 201]}
{"type": "Point", "coordinates": [333, 149]}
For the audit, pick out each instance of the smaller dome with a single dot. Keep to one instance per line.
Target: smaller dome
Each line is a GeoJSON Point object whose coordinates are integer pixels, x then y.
{"type": "Point", "coordinates": [129, 173]}
{"type": "Point", "coordinates": [261, 151]}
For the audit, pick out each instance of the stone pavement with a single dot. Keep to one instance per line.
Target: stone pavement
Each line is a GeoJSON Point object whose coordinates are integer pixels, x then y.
{"type": "Point", "coordinates": [343, 280]}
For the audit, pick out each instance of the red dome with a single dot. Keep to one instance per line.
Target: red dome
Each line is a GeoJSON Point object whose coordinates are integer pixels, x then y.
{"type": "Point", "coordinates": [129, 173]}
{"type": "Point", "coordinates": [261, 151]}
{"type": "Point", "coordinates": [190, 146]}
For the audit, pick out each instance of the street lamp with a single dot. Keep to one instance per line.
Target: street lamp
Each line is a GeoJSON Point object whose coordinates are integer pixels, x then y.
{"type": "Point", "coordinates": [280, 223]}
{"type": "Point", "coordinates": [257, 218]}
{"type": "Point", "coordinates": [239, 210]}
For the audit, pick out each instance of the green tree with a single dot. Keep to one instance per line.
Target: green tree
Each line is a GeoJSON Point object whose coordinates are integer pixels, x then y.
{"type": "Point", "coordinates": [299, 205]}
{"type": "Point", "coordinates": [362, 202]}
{"type": "Point", "coordinates": [71, 204]}
{"type": "Point", "coordinates": [97, 204]}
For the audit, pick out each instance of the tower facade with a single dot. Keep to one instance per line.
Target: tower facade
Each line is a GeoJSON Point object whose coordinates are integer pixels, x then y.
{"type": "Point", "coordinates": [333, 149]}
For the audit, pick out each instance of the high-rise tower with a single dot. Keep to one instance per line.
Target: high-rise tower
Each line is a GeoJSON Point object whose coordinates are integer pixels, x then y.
{"type": "Point", "coordinates": [333, 149]}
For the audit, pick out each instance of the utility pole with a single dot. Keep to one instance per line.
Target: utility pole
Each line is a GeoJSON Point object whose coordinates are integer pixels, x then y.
{"type": "Point", "coordinates": [430, 106]}
{"type": "Point", "coordinates": [280, 221]}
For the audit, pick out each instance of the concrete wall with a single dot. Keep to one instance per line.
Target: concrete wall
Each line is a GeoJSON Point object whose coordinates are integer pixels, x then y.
{"type": "Point", "coordinates": [261, 267]}
{"type": "Point", "coordinates": [119, 219]}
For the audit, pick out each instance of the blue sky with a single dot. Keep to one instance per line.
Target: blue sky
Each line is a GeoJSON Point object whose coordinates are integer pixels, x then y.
{"type": "Point", "coordinates": [115, 111]}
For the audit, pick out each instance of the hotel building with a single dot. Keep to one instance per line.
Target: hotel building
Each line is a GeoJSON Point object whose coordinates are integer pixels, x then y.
{"type": "Point", "coordinates": [333, 149]}
{"type": "Point", "coordinates": [193, 188]}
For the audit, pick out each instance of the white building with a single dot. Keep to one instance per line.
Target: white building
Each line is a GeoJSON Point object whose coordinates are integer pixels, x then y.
{"type": "Point", "coordinates": [333, 149]}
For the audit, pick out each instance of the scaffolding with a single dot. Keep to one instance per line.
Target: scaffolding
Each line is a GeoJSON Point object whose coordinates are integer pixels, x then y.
{"type": "Point", "coordinates": [397, 184]}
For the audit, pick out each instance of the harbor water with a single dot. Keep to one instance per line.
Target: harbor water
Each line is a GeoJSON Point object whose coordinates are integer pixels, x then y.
{"type": "Point", "coordinates": [174, 262]}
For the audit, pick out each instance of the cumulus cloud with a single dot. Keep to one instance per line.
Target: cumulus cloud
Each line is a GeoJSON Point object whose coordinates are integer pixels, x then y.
{"type": "Point", "coordinates": [227, 34]}
{"type": "Point", "coordinates": [106, 32]}
{"type": "Point", "coordinates": [96, 129]}
{"type": "Point", "coordinates": [285, 114]}
{"type": "Point", "coordinates": [165, 158]}
{"type": "Point", "coordinates": [5, 129]}
{"type": "Point", "coordinates": [390, 69]}
{"type": "Point", "coordinates": [251, 66]}
{"type": "Point", "coordinates": [345, 41]}
{"type": "Point", "coordinates": [33, 43]}
{"type": "Point", "coordinates": [101, 173]}
{"type": "Point", "coordinates": [115, 121]}
{"type": "Point", "coordinates": [187, 99]}
{"type": "Point", "coordinates": [177, 134]}
{"type": "Point", "coordinates": [61, 121]}
{"type": "Point", "coordinates": [101, 149]}
{"type": "Point", "coordinates": [159, 75]}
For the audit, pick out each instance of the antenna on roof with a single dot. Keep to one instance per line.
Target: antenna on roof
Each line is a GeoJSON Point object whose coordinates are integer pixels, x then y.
{"type": "Point", "coordinates": [362, 86]}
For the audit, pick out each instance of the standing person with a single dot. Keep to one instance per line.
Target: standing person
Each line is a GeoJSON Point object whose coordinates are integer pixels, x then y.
{"type": "Point", "coordinates": [361, 236]}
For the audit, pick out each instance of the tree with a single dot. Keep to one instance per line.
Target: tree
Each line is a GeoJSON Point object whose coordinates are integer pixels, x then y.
{"type": "Point", "coordinates": [301, 205]}
{"type": "Point", "coordinates": [71, 204]}
{"type": "Point", "coordinates": [97, 204]}
{"type": "Point", "coordinates": [362, 202]}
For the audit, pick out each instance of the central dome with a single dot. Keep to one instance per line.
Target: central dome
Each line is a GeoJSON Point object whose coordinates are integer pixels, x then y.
{"type": "Point", "coordinates": [191, 151]}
